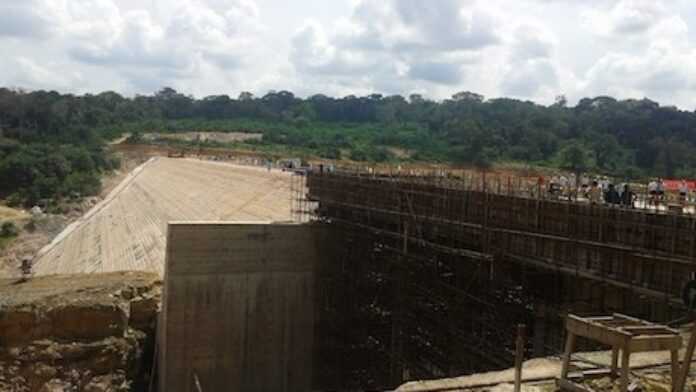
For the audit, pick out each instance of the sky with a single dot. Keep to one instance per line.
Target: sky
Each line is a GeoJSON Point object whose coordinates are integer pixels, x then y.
{"type": "Point", "coordinates": [525, 49]}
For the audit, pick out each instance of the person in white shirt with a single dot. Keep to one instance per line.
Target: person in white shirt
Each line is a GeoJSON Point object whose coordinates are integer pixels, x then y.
{"type": "Point", "coordinates": [660, 189]}
{"type": "Point", "coordinates": [683, 191]}
{"type": "Point", "coordinates": [652, 191]}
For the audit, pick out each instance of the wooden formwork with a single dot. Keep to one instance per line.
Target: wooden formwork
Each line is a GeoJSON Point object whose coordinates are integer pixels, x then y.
{"type": "Point", "coordinates": [453, 268]}
{"type": "Point", "coordinates": [651, 253]}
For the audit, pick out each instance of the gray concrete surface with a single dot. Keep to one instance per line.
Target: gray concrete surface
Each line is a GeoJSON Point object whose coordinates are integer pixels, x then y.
{"type": "Point", "coordinates": [126, 231]}
{"type": "Point", "coordinates": [238, 307]}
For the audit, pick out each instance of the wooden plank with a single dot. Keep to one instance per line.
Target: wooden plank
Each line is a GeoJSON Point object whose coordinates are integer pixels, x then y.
{"type": "Point", "coordinates": [611, 337]}
{"type": "Point", "coordinates": [649, 330]}
{"type": "Point", "coordinates": [651, 327]}
{"type": "Point", "coordinates": [629, 318]}
{"type": "Point", "coordinates": [599, 318]}
{"type": "Point", "coordinates": [588, 374]}
{"type": "Point", "coordinates": [655, 343]}
{"type": "Point", "coordinates": [567, 385]}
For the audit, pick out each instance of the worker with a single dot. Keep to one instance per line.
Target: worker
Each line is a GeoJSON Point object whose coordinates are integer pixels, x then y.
{"type": "Point", "coordinates": [660, 190]}
{"type": "Point", "coordinates": [25, 268]}
{"type": "Point", "coordinates": [652, 191]}
{"type": "Point", "coordinates": [585, 186]}
{"type": "Point", "coordinates": [540, 181]}
{"type": "Point", "coordinates": [554, 187]}
{"type": "Point", "coordinates": [627, 197]}
{"type": "Point", "coordinates": [611, 196]}
{"type": "Point", "coordinates": [683, 191]}
{"type": "Point", "coordinates": [595, 193]}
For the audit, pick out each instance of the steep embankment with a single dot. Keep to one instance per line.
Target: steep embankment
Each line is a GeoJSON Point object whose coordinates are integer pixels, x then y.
{"type": "Point", "coordinates": [78, 332]}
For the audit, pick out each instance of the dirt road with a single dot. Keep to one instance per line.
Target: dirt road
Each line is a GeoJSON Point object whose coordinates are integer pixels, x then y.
{"type": "Point", "coordinates": [126, 231]}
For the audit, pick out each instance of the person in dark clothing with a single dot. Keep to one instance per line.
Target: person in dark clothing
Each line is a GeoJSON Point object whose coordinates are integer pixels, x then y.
{"type": "Point", "coordinates": [611, 196]}
{"type": "Point", "coordinates": [627, 197]}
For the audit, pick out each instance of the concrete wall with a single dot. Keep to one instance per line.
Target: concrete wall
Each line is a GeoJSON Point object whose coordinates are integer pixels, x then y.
{"type": "Point", "coordinates": [238, 307]}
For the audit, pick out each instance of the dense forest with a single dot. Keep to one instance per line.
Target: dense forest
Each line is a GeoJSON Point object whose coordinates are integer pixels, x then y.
{"type": "Point", "coordinates": [52, 145]}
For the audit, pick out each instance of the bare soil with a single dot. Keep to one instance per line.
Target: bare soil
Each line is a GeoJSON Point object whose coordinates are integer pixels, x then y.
{"type": "Point", "coordinates": [220, 137]}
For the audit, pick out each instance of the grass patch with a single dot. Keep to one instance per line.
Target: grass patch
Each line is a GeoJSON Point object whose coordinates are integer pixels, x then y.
{"type": "Point", "coordinates": [5, 242]}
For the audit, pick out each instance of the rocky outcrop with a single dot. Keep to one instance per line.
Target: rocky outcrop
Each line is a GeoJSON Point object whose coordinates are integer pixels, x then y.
{"type": "Point", "coordinates": [78, 333]}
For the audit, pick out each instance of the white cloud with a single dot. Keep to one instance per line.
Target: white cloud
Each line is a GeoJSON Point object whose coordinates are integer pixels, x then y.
{"type": "Point", "coordinates": [24, 19]}
{"type": "Point", "coordinates": [396, 46]}
{"type": "Point", "coordinates": [137, 47]}
{"type": "Point", "coordinates": [657, 73]}
{"type": "Point", "coordinates": [650, 53]}
{"type": "Point", "coordinates": [528, 49]}
{"type": "Point", "coordinates": [531, 70]}
{"type": "Point", "coordinates": [625, 17]}
{"type": "Point", "coordinates": [26, 73]}
{"type": "Point", "coordinates": [530, 42]}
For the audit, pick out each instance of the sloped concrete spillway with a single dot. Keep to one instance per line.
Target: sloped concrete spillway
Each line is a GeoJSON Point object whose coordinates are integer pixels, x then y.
{"type": "Point", "coordinates": [126, 231]}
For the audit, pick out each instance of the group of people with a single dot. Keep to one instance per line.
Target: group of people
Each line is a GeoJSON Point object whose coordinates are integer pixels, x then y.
{"type": "Point", "coordinates": [656, 190]}
{"type": "Point", "coordinates": [597, 190]}
{"type": "Point", "coordinates": [601, 190]}
{"type": "Point", "coordinates": [606, 192]}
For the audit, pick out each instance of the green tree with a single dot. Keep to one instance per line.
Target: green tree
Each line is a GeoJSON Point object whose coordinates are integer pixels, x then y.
{"type": "Point", "coordinates": [574, 157]}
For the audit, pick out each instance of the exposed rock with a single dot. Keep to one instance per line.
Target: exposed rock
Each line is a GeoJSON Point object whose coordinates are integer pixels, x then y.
{"type": "Point", "coordinates": [77, 333]}
{"type": "Point", "coordinates": [77, 322]}
{"type": "Point", "coordinates": [143, 312]}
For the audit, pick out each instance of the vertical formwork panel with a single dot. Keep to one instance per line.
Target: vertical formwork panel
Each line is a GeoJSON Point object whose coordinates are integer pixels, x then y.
{"type": "Point", "coordinates": [238, 307]}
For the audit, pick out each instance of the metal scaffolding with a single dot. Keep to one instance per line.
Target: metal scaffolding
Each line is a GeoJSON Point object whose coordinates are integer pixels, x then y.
{"type": "Point", "coordinates": [432, 273]}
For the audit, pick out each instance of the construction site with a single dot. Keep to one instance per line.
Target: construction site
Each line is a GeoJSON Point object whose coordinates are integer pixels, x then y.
{"type": "Point", "coordinates": [437, 270]}
{"type": "Point", "coordinates": [357, 279]}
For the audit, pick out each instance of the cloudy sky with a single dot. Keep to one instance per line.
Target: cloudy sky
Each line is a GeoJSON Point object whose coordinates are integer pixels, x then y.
{"type": "Point", "coordinates": [528, 49]}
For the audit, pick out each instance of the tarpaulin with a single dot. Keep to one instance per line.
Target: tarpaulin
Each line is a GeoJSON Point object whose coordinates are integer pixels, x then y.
{"type": "Point", "coordinates": [673, 185]}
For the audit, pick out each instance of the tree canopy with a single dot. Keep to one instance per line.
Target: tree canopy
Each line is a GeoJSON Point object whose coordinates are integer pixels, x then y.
{"type": "Point", "coordinates": [620, 137]}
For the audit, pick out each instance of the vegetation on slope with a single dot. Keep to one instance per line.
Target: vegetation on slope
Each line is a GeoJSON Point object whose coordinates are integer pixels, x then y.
{"type": "Point", "coordinates": [52, 145]}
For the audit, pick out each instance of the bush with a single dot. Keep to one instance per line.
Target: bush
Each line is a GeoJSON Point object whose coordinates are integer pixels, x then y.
{"type": "Point", "coordinates": [31, 225]}
{"type": "Point", "coordinates": [114, 163]}
{"type": "Point", "coordinates": [15, 200]}
{"type": "Point", "coordinates": [9, 229]}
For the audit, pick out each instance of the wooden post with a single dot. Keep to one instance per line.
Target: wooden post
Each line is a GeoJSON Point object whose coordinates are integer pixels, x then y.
{"type": "Point", "coordinates": [675, 367]}
{"type": "Point", "coordinates": [625, 367]}
{"type": "Point", "coordinates": [539, 328]}
{"type": "Point", "coordinates": [679, 386]}
{"type": "Point", "coordinates": [615, 361]}
{"type": "Point", "coordinates": [397, 368]}
{"type": "Point", "coordinates": [519, 355]}
{"type": "Point", "coordinates": [570, 342]}
{"type": "Point", "coordinates": [197, 383]}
